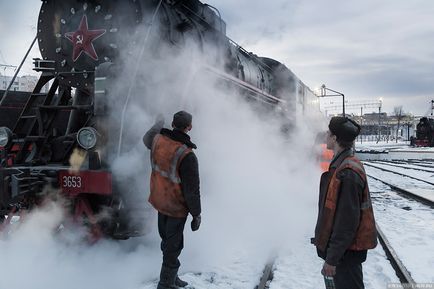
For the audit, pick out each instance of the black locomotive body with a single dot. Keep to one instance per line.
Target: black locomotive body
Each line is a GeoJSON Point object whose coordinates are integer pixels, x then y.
{"type": "Point", "coordinates": [424, 133]}
{"type": "Point", "coordinates": [80, 46]}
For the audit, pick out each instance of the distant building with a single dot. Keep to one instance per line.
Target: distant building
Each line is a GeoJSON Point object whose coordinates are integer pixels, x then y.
{"type": "Point", "coordinates": [385, 126]}
{"type": "Point", "coordinates": [21, 83]}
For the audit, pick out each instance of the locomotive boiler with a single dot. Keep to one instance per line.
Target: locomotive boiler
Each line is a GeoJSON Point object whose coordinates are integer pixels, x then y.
{"type": "Point", "coordinates": [82, 51]}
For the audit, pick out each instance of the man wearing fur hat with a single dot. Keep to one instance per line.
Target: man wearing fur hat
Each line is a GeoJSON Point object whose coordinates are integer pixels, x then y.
{"type": "Point", "coordinates": [174, 190]}
{"type": "Point", "coordinates": [345, 228]}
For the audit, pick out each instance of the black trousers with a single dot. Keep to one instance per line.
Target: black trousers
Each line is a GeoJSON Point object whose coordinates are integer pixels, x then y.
{"type": "Point", "coordinates": [171, 231]}
{"type": "Point", "coordinates": [349, 276]}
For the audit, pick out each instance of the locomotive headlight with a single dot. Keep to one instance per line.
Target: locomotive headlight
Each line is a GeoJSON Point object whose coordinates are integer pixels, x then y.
{"type": "Point", "coordinates": [5, 136]}
{"type": "Point", "coordinates": [87, 137]}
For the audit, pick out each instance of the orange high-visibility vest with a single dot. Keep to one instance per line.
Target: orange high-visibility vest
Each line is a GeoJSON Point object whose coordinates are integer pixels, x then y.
{"type": "Point", "coordinates": [366, 236]}
{"type": "Point", "coordinates": [166, 195]}
{"type": "Point", "coordinates": [326, 158]}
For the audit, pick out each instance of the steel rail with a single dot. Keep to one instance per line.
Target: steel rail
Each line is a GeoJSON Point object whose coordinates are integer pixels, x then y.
{"type": "Point", "coordinates": [405, 193]}
{"type": "Point", "coordinates": [421, 164]}
{"type": "Point", "coordinates": [397, 173]}
{"type": "Point", "coordinates": [401, 165]}
{"type": "Point", "coordinates": [266, 276]}
{"type": "Point", "coordinates": [400, 270]}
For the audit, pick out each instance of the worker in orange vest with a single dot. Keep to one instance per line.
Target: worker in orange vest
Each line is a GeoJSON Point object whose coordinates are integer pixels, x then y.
{"type": "Point", "coordinates": [324, 155]}
{"type": "Point", "coordinates": [345, 228]}
{"type": "Point", "coordinates": [174, 190]}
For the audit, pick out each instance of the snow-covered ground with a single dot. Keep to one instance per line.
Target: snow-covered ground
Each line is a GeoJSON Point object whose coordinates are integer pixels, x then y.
{"type": "Point", "coordinates": [300, 268]}
{"type": "Point", "coordinates": [409, 227]}
{"type": "Point", "coordinates": [211, 259]}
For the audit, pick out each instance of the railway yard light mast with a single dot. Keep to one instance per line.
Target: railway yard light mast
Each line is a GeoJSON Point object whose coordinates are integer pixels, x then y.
{"type": "Point", "coordinates": [324, 93]}
{"type": "Point", "coordinates": [380, 102]}
{"type": "Point", "coordinates": [432, 106]}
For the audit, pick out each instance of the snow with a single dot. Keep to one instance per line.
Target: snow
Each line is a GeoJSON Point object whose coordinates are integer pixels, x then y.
{"type": "Point", "coordinates": [216, 258]}
{"type": "Point", "coordinates": [237, 275]}
{"type": "Point", "coordinates": [409, 227]}
{"type": "Point", "coordinates": [300, 268]}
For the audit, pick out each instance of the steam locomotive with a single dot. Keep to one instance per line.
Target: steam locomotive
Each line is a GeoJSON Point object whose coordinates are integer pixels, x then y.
{"type": "Point", "coordinates": [83, 49]}
{"type": "Point", "coordinates": [424, 133]}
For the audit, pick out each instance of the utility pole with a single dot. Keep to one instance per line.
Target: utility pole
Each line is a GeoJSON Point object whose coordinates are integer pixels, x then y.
{"type": "Point", "coordinates": [324, 91]}
{"type": "Point", "coordinates": [432, 106]}
{"type": "Point", "coordinates": [379, 120]}
{"type": "Point", "coordinates": [3, 86]}
{"type": "Point", "coordinates": [361, 122]}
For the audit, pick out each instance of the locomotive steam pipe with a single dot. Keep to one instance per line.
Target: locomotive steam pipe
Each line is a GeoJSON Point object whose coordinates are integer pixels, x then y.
{"type": "Point", "coordinates": [136, 70]}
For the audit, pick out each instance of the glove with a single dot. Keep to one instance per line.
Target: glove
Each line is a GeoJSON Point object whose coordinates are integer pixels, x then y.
{"type": "Point", "coordinates": [195, 223]}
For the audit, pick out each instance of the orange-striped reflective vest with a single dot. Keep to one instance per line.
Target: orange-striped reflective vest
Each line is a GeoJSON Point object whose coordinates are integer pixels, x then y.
{"type": "Point", "coordinates": [366, 235]}
{"type": "Point", "coordinates": [166, 195]}
{"type": "Point", "coordinates": [326, 158]}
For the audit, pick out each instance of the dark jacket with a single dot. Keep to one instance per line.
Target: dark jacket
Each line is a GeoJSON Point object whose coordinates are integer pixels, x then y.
{"type": "Point", "coordinates": [347, 215]}
{"type": "Point", "coordinates": [188, 168]}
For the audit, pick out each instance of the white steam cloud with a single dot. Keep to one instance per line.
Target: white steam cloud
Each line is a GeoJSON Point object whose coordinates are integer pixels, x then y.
{"type": "Point", "coordinates": [258, 186]}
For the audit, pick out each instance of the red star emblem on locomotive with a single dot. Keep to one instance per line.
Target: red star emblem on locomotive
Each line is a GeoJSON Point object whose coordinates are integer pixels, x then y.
{"type": "Point", "coordinates": [82, 40]}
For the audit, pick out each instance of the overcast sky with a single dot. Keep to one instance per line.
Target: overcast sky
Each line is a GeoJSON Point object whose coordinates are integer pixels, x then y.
{"type": "Point", "coordinates": [365, 49]}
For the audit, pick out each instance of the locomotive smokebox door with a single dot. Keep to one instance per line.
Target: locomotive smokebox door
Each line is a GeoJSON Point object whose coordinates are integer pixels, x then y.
{"type": "Point", "coordinates": [79, 36]}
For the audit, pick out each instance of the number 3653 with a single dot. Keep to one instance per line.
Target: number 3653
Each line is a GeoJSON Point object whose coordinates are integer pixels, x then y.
{"type": "Point", "coordinates": [71, 181]}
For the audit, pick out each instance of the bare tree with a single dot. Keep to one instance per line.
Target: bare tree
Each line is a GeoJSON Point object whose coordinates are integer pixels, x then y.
{"type": "Point", "coordinates": [398, 112]}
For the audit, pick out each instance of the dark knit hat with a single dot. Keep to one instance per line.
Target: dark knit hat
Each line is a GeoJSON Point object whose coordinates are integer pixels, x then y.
{"type": "Point", "coordinates": [182, 119]}
{"type": "Point", "coordinates": [344, 128]}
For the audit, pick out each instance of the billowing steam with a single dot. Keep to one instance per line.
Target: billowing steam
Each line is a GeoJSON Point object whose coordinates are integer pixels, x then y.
{"type": "Point", "coordinates": [258, 184]}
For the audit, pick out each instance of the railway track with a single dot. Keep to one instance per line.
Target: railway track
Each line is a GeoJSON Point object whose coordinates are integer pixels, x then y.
{"type": "Point", "coordinates": [403, 165]}
{"type": "Point", "coordinates": [405, 193]}
{"type": "Point", "coordinates": [398, 173]}
{"type": "Point", "coordinates": [267, 276]}
{"type": "Point", "coordinates": [400, 270]}
{"type": "Point", "coordinates": [421, 164]}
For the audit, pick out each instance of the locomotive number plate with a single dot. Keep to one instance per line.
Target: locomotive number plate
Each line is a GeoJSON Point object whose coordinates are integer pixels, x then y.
{"type": "Point", "coordinates": [90, 182]}
{"type": "Point", "coordinates": [71, 182]}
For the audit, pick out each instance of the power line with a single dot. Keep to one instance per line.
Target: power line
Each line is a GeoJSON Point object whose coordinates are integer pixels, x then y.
{"type": "Point", "coordinates": [353, 106]}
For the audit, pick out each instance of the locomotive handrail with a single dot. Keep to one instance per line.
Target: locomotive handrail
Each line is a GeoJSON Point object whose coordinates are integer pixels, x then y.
{"type": "Point", "coordinates": [247, 53]}
{"type": "Point", "coordinates": [245, 84]}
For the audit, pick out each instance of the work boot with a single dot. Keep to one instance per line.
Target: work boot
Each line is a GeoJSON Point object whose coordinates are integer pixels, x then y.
{"type": "Point", "coordinates": [167, 278]}
{"type": "Point", "coordinates": [179, 282]}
